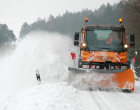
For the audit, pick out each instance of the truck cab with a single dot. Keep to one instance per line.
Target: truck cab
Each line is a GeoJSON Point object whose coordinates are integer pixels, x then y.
{"type": "Point", "coordinates": [103, 47]}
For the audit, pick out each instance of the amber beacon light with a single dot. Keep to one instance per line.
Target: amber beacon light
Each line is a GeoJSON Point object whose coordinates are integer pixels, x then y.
{"type": "Point", "coordinates": [86, 20]}
{"type": "Point", "coordinates": [120, 20]}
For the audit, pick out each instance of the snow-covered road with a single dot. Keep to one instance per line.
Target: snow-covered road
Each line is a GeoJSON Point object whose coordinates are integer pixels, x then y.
{"type": "Point", "coordinates": [61, 96]}
{"type": "Point", "coordinates": [110, 100]}
{"type": "Point", "coordinates": [20, 90]}
{"type": "Point", "coordinates": [104, 100]}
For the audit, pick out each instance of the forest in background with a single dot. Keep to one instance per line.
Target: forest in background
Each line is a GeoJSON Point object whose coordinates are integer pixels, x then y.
{"type": "Point", "coordinates": [70, 22]}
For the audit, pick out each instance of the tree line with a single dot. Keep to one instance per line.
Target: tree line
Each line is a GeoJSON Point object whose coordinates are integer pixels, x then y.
{"type": "Point", "coordinates": [6, 35]}
{"type": "Point", "coordinates": [69, 23]}
{"type": "Point", "coordinates": [131, 16]}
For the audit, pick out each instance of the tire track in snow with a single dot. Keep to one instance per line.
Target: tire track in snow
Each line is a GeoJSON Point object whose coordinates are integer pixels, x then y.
{"type": "Point", "coordinates": [101, 102]}
{"type": "Point", "coordinates": [87, 101]}
{"type": "Point", "coordinates": [122, 101]}
{"type": "Point", "coordinates": [115, 100]}
{"type": "Point", "coordinates": [96, 101]}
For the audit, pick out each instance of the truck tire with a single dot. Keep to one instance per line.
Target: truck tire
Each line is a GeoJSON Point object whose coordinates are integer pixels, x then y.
{"type": "Point", "coordinates": [127, 90]}
{"type": "Point", "coordinates": [128, 64]}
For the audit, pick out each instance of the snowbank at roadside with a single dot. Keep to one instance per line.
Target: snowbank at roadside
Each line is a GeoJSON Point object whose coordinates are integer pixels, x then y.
{"type": "Point", "coordinates": [55, 96]}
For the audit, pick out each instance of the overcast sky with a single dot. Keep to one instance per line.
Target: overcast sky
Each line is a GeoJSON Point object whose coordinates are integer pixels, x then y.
{"type": "Point", "coordinates": [15, 12]}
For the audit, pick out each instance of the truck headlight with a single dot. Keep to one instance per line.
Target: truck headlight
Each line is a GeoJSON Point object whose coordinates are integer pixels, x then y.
{"type": "Point", "coordinates": [85, 66]}
{"type": "Point", "coordinates": [112, 67]}
{"type": "Point", "coordinates": [123, 67]}
{"type": "Point", "coordinates": [97, 67]}
{"type": "Point", "coordinates": [125, 46]}
{"type": "Point", "coordinates": [84, 44]}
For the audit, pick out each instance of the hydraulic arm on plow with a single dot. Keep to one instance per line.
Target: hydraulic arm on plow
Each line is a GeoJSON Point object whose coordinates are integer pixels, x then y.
{"type": "Point", "coordinates": [103, 60]}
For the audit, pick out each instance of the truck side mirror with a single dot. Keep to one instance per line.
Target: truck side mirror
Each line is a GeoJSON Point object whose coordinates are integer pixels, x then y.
{"type": "Point", "coordinates": [132, 40]}
{"type": "Point", "coordinates": [76, 38]}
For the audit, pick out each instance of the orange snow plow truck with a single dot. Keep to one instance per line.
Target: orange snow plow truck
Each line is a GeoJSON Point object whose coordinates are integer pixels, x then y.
{"type": "Point", "coordinates": [103, 61]}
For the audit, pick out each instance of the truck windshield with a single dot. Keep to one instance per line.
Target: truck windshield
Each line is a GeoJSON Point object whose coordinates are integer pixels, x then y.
{"type": "Point", "coordinates": [104, 40]}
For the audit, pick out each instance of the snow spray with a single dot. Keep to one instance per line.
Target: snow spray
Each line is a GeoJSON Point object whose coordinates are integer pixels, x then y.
{"type": "Point", "coordinates": [47, 52]}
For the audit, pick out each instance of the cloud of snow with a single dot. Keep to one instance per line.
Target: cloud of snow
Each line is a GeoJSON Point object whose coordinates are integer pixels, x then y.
{"type": "Point", "coordinates": [47, 52]}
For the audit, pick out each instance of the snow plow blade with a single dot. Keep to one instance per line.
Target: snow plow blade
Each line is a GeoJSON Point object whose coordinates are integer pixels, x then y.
{"type": "Point", "coordinates": [118, 79]}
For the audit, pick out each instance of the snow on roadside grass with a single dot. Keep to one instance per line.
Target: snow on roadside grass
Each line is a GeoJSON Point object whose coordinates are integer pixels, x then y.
{"type": "Point", "coordinates": [54, 96]}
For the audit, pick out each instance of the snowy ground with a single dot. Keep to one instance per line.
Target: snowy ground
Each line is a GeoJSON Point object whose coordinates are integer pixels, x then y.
{"type": "Point", "coordinates": [56, 96]}
{"type": "Point", "coordinates": [20, 90]}
{"type": "Point", "coordinates": [61, 96]}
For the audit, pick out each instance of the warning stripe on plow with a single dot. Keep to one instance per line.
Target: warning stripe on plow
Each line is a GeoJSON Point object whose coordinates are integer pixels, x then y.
{"type": "Point", "coordinates": [91, 56]}
{"type": "Point", "coordinates": [117, 59]}
{"type": "Point", "coordinates": [92, 66]}
{"type": "Point", "coordinates": [91, 59]}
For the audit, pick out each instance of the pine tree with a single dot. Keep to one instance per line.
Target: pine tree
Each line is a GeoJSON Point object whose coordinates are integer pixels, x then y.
{"type": "Point", "coordinates": [6, 35]}
{"type": "Point", "coordinates": [25, 29]}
